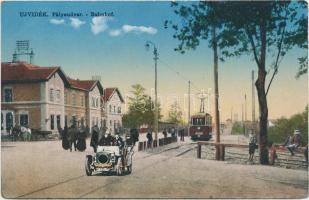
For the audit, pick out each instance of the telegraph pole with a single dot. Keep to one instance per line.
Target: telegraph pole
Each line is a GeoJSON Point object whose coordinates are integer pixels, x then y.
{"type": "Point", "coordinates": [155, 53]}
{"type": "Point", "coordinates": [245, 107]}
{"type": "Point", "coordinates": [253, 98]}
{"type": "Point", "coordinates": [189, 102]}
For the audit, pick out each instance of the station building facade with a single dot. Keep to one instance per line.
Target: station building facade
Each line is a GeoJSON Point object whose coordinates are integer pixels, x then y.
{"type": "Point", "coordinates": [44, 98]}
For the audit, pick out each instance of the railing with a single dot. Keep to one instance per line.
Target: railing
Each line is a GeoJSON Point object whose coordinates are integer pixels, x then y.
{"type": "Point", "coordinates": [155, 143]}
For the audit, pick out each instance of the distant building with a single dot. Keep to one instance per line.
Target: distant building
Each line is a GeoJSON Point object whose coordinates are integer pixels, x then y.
{"type": "Point", "coordinates": [44, 98]}
{"type": "Point", "coordinates": [32, 96]}
{"type": "Point", "coordinates": [82, 102]}
{"type": "Point", "coordinates": [112, 107]}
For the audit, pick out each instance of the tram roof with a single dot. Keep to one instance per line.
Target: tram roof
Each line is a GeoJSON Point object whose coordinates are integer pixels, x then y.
{"type": "Point", "coordinates": [200, 115]}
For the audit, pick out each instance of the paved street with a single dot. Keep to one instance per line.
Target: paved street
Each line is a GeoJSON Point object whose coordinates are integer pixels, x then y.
{"type": "Point", "coordinates": [45, 170]}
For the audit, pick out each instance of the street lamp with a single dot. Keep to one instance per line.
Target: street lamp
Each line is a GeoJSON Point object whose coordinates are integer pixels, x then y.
{"type": "Point", "coordinates": [155, 53]}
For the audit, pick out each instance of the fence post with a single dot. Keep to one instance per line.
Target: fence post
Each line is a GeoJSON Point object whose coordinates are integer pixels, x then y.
{"type": "Point", "coordinates": [217, 151]}
{"type": "Point", "coordinates": [222, 152]}
{"type": "Point", "coordinates": [199, 150]}
{"type": "Point", "coordinates": [140, 146]}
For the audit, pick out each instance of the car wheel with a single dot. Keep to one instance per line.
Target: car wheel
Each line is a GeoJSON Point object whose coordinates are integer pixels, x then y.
{"type": "Point", "coordinates": [129, 169]}
{"type": "Point", "coordinates": [87, 165]}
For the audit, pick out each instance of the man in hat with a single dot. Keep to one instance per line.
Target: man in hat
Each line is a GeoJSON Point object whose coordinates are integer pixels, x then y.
{"type": "Point", "coordinates": [295, 142]}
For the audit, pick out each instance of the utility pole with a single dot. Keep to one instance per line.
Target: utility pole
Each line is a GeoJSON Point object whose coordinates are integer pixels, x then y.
{"type": "Point", "coordinates": [189, 102]}
{"type": "Point", "coordinates": [232, 114]}
{"type": "Point", "coordinates": [253, 99]}
{"type": "Point", "coordinates": [242, 113]}
{"type": "Point", "coordinates": [217, 115]}
{"type": "Point", "coordinates": [245, 107]}
{"type": "Point", "coordinates": [155, 53]}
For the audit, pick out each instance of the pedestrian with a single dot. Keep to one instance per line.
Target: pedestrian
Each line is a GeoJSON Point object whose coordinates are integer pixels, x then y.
{"type": "Point", "coordinates": [28, 133]}
{"type": "Point", "coordinates": [94, 138]}
{"type": "Point", "coordinates": [106, 139]}
{"type": "Point", "coordinates": [306, 155]}
{"type": "Point", "coordinates": [295, 142]}
{"type": "Point", "coordinates": [119, 142]}
{"type": "Point", "coordinates": [252, 146]}
{"type": "Point", "coordinates": [164, 133]}
{"type": "Point", "coordinates": [149, 138]}
{"type": "Point", "coordinates": [173, 132]}
{"type": "Point", "coordinates": [272, 154]}
{"type": "Point", "coordinates": [133, 136]}
{"type": "Point", "coordinates": [182, 134]}
{"type": "Point", "coordinates": [81, 138]}
{"type": "Point", "coordinates": [65, 140]}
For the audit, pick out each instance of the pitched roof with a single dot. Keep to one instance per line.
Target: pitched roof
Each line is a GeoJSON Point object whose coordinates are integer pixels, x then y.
{"type": "Point", "coordinates": [86, 85]}
{"type": "Point", "coordinates": [82, 84]}
{"type": "Point", "coordinates": [108, 92]}
{"type": "Point", "coordinates": [23, 72]}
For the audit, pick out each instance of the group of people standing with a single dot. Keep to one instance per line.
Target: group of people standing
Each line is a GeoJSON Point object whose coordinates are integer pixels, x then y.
{"type": "Point", "coordinates": [104, 138]}
{"type": "Point", "coordinates": [292, 143]}
{"type": "Point", "coordinates": [74, 136]}
{"type": "Point", "coordinates": [20, 133]}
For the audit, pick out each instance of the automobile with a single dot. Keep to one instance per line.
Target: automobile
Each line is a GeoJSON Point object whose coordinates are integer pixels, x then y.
{"type": "Point", "coordinates": [110, 159]}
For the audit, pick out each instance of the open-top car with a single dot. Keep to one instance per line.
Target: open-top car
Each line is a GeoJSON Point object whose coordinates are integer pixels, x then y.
{"type": "Point", "coordinates": [110, 159]}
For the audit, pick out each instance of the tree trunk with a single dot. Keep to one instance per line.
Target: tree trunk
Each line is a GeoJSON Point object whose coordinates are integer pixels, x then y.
{"type": "Point", "coordinates": [260, 86]}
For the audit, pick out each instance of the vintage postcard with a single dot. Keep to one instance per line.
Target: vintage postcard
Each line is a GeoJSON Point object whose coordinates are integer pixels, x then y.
{"type": "Point", "coordinates": [154, 99]}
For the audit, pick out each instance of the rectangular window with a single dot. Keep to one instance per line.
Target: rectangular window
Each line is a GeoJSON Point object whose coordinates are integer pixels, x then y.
{"type": "Point", "coordinates": [23, 120]}
{"type": "Point", "coordinates": [51, 95]}
{"type": "Point", "coordinates": [93, 102]}
{"type": "Point", "coordinates": [52, 125]}
{"type": "Point", "coordinates": [73, 99]}
{"type": "Point", "coordinates": [58, 96]}
{"type": "Point", "coordinates": [81, 100]}
{"type": "Point", "coordinates": [65, 98]}
{"type": "Point", "coordinates": [119, 110]}
{"type": "Point", "coordinates": [8, 95]}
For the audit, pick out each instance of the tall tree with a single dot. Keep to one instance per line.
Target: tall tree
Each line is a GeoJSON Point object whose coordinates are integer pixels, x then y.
{"type": "Point", "coordinates": [258, 28]}
{"type": "Point", "coordinates": [175, 114]}
{"type": "Point", "coordinates": [141, 108]}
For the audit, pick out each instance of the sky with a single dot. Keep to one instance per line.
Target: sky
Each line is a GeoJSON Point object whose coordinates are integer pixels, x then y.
{"type": "Point", "coordinates": [113, 47]}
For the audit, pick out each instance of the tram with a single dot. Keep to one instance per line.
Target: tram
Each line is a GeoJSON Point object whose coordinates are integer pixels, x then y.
{"type": "Point", "coordinates": [201, 127]}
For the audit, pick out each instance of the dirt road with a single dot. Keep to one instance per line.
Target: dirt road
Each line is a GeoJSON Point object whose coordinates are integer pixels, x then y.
{"type": "Point", "coordinates": [45, 170]}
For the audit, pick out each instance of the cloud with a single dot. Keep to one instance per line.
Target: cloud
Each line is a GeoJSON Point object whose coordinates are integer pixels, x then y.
{"type": "Point", "coordinates": [136, 29]}
{"type": "Point", "coordinates": [115, 33]}
{"type": "Point", "coordinates": [76, 23]}
{"type": "Point", "coordinates": [56, 21]}
{"type": "Point", "coordinates": [139, 29]}
{"type": "Point", "coordinates": [99, 24]}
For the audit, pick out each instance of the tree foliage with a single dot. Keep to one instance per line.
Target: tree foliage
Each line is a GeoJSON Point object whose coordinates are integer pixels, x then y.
{"type": "Point", "coordinates": [284, 127]}
{"type": "Point", "coordinates": [266, 30]}
{"type": "Point", "coordinates": [175, 114]}
{"type": "Point", "coordinates": [237, 129]}
{"type": "Point", "coordinates": [141, 108]}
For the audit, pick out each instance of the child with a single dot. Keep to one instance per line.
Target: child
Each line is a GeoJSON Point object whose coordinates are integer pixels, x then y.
{"type": "Point", "coordinates": [252, 146]}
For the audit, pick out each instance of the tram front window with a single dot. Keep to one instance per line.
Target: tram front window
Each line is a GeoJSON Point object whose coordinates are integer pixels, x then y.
{"type": "Point", "coordinates": [198, 121]}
